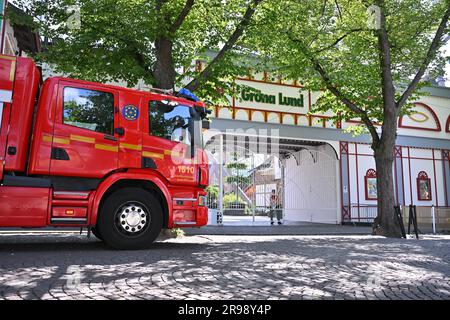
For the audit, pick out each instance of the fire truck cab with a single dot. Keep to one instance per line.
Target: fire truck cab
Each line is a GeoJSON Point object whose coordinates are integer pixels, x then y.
{"type": "Point", "coordinates": [123, 163]}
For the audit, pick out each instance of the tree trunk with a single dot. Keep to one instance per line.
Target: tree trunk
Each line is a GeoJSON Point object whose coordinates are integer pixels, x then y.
{"type": "Point", "coordinates": [386, 222]}
{"type": "Point", "coordinates": [164, 68]}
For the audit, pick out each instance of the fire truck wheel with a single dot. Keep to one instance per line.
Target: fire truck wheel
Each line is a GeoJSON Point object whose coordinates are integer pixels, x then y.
{"type": "Point", "coordinates": [96, 233]}
{"type": "Point", "coordinates": [130, 218]}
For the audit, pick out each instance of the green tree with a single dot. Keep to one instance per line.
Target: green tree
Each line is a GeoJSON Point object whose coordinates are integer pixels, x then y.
{"type": "Point", "coordinates": [370, 56]}
{"type": "Point", "coordinates": [213, 191]}
{"type": "Point", "coordinates": [213, 196]}
{"type": "Point", "coordinates": [231, 200]}
{"type": "Point", "coordinates": [152, 40]}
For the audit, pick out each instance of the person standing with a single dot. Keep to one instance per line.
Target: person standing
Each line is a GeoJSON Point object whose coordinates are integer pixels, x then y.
{"type": "Point", "coordinates": [275, 207]}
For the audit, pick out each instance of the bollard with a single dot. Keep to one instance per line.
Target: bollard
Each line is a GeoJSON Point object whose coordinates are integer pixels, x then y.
{"type": "Point", "coordinates": [433, 218]}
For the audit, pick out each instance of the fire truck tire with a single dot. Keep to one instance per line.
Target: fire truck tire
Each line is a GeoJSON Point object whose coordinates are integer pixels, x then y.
{"type": "Point", "coordinates": [130, 219]}
{"type": "Point", "coordinates": [96, 233]}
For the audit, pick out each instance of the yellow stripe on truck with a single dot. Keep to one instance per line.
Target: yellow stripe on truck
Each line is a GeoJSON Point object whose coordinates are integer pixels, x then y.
{"type": "Point", "coordinates": [61, 140]}
{"type": "Point", "coordinates": [173, 153]}
{"type": "Point", "coordinates": [7, 57]}
{"type": "Point", "coordinates": [99, 146]}
{"type": "Point", "coordinates": [47, 138]}
{"type": "Point", "coordinates": [75, 137]}
{"type": "Point", "coordinates": [106, 147]}
{"type": "Point", "coordinates": [152, 154]}
{"type": "Point", "coordinates": [131, 146]}
{"type": "Point", "coordinates": [12, 71]}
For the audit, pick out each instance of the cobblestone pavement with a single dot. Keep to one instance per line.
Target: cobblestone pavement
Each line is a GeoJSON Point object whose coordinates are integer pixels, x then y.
{"type": "Point", "coordinates": [67, 266]}
{"type": "Point", "coordinates": [303, 229]}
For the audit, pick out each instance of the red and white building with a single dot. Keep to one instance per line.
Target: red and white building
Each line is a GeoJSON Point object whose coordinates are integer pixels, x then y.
{"type": "Point", "coordinates": [329, 175]}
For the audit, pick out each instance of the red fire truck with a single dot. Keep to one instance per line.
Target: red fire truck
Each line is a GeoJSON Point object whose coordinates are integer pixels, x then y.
{"type": "Point", "coordinates": [123, 163]}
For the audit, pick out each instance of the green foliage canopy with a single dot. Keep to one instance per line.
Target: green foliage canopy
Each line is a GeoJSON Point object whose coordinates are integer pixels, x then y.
{"type": "Point", "coordinates": [338, 35]}
{"type": "Point", "coordinates": [126, 40]}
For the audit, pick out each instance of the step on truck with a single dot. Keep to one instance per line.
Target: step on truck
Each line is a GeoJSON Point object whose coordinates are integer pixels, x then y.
{"type": "Point", "coordinates": [122, 163]}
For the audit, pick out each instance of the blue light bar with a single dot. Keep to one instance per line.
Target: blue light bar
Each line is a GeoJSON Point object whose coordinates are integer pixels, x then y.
{"type": "Point", "coordinates": [185, 92]}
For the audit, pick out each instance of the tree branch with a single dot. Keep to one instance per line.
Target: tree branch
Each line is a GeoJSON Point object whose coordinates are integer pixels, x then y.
{"type": "Point", "coordinates": [337, 93]}
{"type": "Point", "coordinates": [387, 82]}
{"type": "Point", "coordinates": [206, 73]}
{"type": "Point", "coordinates": [338, 40]}
{"type": "Point", "coordinates": [183, 14]}
{"type": "Point", "coordinates": [428, 58]}
{"type": "Point", "coordinates": [324, 6]}
{"type": "Point", "coordinates": [338, 8]}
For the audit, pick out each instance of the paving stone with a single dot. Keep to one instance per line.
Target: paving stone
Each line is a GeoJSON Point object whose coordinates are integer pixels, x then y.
{"type": "Point", "coordinates": [269, 267]}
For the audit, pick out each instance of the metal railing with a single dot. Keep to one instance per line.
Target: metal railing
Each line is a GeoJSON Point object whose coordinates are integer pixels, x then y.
{"type": "Point", "coordinates": [362, 213]}
{"type": "Point", "coordinates": [430, 218]}
{"type": "Point", "coordinates": [442, 218]}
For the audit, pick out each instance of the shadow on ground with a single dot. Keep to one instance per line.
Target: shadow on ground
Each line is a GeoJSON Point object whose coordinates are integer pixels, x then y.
{"type": "Point", "coordinates": [226, 267]}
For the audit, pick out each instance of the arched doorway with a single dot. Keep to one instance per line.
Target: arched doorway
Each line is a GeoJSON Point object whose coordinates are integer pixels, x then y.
{"type": "Point", "coordinates": [311, 185]}
{"type": "Point", "coordinates": [243, 176]}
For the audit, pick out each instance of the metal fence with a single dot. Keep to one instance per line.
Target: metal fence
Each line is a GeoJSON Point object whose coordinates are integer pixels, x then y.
{"type": "Point", "coordinates": [247, 183]}
{"type": "Point", "coordinates": [442, 215]}
{"type": "Point", "coordinates": [362, 213]}
{"type": "Point", "coordinates": [430, 219]}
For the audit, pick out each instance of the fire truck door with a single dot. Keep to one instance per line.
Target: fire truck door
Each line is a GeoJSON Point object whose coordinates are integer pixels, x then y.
{"type": "Point", "coordinates": [168, 141]}
{"type": "Point", "coordinates": [85, 142]}
{"type": "Point", "coordinates": [129, 130]}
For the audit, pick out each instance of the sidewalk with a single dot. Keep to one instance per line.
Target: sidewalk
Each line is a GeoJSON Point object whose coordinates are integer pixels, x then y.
{"type": "Point", "coordinates": [260, 225]}
{"type": "Point", "coordinates": [304, 228]}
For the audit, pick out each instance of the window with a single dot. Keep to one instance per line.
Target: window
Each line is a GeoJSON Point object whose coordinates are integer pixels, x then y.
{"type": "Point", "coordinates": [371, 184]}
{"type": "Point", "coordinates": [174, 122]}
{"type": "Point", "coordinates": [423, 186]}
{"type": "Point", "coordinates": [89, 109]}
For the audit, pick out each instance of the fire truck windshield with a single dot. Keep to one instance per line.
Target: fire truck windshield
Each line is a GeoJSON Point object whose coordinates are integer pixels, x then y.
{"type": "Point", "coordinates": [175, 122]}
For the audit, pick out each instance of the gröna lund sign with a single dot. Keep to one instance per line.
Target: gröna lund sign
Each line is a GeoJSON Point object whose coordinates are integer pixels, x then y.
{"type": "Point", "coordinates": [253, 95]}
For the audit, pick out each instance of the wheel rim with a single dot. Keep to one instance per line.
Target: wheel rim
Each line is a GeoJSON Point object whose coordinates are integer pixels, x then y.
{"type": "Point", "coordinates": [132, 218]}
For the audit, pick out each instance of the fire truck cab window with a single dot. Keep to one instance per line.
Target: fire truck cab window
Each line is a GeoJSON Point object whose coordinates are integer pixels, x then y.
{"type": "Point", "coordinates": [89, 109]}
{"type": "Point", "coordinates": [172, 121]}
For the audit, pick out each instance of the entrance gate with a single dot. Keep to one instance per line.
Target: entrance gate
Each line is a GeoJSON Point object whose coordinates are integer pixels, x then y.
{"type": "Point", "coordinates": [304, 175]}
{"type": "Point", "coordinates": [311, 186]}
